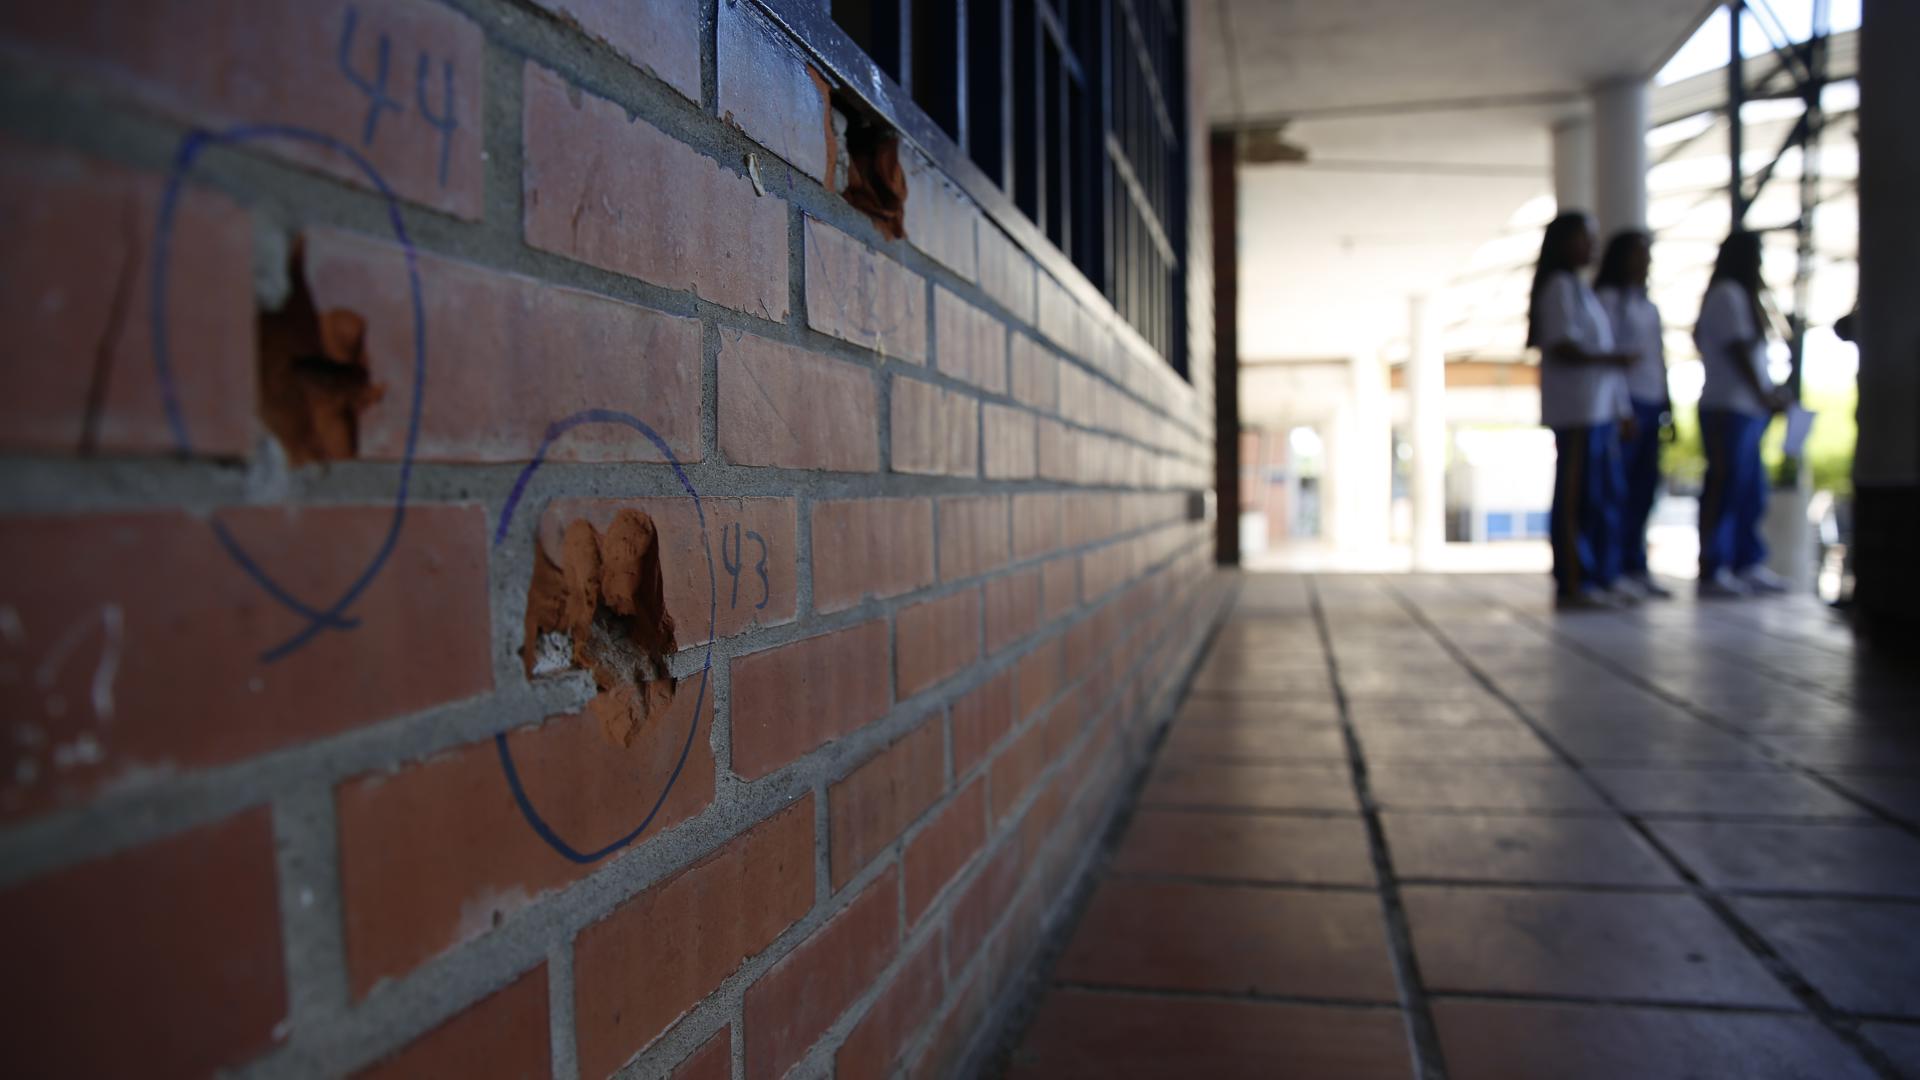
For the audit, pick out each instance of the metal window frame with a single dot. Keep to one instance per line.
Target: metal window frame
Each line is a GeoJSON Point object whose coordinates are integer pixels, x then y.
{"type": "Point", "coordinates": [1162, 312]}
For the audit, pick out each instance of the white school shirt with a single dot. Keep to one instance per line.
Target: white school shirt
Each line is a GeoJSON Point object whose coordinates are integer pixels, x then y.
{"type": "Point", "coordinates": [1726, 320]}
{"type": "Point", "coordinates": [1575, 393]}
{"type": "Point", "coordinates": [1636, 330]}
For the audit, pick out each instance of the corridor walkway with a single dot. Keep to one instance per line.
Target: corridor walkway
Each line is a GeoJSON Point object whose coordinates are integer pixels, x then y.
{"type": "Point", "coordinates": [1409, 826]}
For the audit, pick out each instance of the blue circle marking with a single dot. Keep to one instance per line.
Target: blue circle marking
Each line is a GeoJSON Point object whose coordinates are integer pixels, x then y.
{"type": "Point", "coordinates": [333, 616]}
{"type": "Point", "coordinates": [317, 618]}
{"type": "Point", "coordinates": [527, 809]}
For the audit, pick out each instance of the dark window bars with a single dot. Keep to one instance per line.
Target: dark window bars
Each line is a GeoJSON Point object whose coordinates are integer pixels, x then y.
{"type": "Point", "coordinates": [1076, 110]}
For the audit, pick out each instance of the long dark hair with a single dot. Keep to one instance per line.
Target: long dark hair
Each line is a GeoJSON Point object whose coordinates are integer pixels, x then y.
{"type": "Point", "coordinates": [1613, 264]}
{"type": "Point", "coordinates": [1554, 257]}
{"type": "Point", "coordinates": [1739, 262]}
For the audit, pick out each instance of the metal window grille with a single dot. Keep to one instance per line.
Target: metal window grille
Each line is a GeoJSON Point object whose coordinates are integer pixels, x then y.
{"type": "Point", "coordinates": [1076, 109]}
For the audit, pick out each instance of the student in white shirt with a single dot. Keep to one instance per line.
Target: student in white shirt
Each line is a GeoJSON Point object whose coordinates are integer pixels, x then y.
{"type": "Point", "coordinates": [1582, 398]}
{"type": "Point", "coordinates": [1621, 286]}
{"type": "Point", "coordinates": [1736, 404]}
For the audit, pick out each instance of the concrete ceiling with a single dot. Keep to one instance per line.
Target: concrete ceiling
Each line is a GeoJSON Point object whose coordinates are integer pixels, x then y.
{"type": "Point", "coordinates": [1426, 124]}
{"type": "Point", "coordinates": [1273, 58]}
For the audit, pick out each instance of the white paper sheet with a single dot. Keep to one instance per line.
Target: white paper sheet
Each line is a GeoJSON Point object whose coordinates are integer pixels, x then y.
{"type": "Point", "coordinates": [1799, 426]}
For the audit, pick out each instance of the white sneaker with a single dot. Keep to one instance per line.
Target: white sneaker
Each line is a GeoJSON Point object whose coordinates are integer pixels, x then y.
{"type": "Point", "coordinates": [1759, 579]}
{"type": "Point", "coordinates": [1722, 586]}
{"type": "Point", "coordinates": [1648, 587]}
{"type": "Point", "coordinates": [1584, 600]}
{"type": "Point", "coordinates": [1621, 595]}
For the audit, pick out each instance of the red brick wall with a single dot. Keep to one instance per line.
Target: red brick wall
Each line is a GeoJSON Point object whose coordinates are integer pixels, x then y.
{"type": "Point", "coordinates": [285, 783]}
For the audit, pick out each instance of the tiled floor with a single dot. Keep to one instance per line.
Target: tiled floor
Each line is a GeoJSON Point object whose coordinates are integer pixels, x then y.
{"type": "Point", "coordinates": [1422, 826]}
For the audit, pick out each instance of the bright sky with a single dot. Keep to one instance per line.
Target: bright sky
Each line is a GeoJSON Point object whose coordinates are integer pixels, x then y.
{"type": "Point", "coordinates": [1707, 49]}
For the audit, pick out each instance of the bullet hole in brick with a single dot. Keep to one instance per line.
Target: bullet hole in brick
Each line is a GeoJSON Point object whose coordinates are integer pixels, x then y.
{"type": "Point", "coordinates": [314, 381]}
{"type": "Point", "coordinates": [876, 184]}
{"type": "Point", "coordinates": [601, 605]}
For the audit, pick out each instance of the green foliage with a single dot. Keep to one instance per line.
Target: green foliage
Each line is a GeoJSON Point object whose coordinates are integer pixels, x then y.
{"type": "Point", "coordinates": [1829, 448]}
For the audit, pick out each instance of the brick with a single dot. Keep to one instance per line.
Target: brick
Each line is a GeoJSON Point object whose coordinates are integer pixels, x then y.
{"type": "Point", "coordinates": [686, 935]}
{"type": "Point", "coordinates": [1006, 272]}
{"type": "Point", "coordinates": [1013, 608]}
{"type": "Point", "coordinates": [1008, 451]}
{"type": "Point", "coordinates": [527, 354]}
{"type": "Point", "coordinates": [712, 1061]}
{"type": "Point", "coordinates": [1083, 647]}
{"type": "Point", "coordinates": [935, 431]}
{"type": "Point", "coordinates": [1035, 374]}
{"type": "Point", "coordinates": [856, 294]}
{"type": "Point", "coordinates": [878, 1040]}
{"type": "Point", "coordinates": [1106, 569]}
{"type": "Point", "coordinates": [981, 903]}
{"type": "Point", "coordinates": [745, 577]}
{"type": "Point", "coordinates": [973, 536]}
{"type": "Point", "coordinates": [110, 964]}
{"type": "Point", "coordinates": [438, 853]}
{"type": "Point", "coordinates": [1090, 517]}
{"type": "Point", "coordinates": [1040, 676]}
{"type": "Point", "coordinates": [1059, 450]}
{"type": "Point", "coordinates": [979, 719]}
{"type": "Point", "coordinates": [1014, 769]}
{"type": "Point", "coordinates": [874, 804]}
{"type": "Point", "coordinates": [786, 407]}
{"type": "Point", "coordinates": [940, 851]}
{"type": "Point", "coordinates": [1043, 814]}
{"type": "Point", "coordinates": [870, 548]}
{"type": "Point", "coordinates": [662, 37]}
{"type": "Point", "coordinates": [76, 289]}
{"type": "Point", "coordinates": [940, 220]}
{"type": "Point", "coordinates": [937, 638]}
{"type": "Point", "coordinates": [1063, 723]}
{"type": "Point", "coordinates": [1056, 313]}
{"type": "Point", "coordinates": [149, 639]}
{"type": "Point", "coordinates": [788, 700]}
{"type": "Point", "coordinates": [233, 62]}
{"type": "Point", "coordinates": [969, 344]}
{"type": "Point", "coordinates": [662, 212]}
{"type": "Point", "coordinates": [1060, 585]}
{"type": "Point", "coordinates": [798, 998]}
{"type": "Point", "coordinates": [1036, 524]}
{"type": "Point", "coordinates": [1012, 950]}
{"type": "Point", "coordinates": [504, 1035]}
{"type": "Point", "coordinates": [967, 1007]}
{"type": "Point", "coordinates": [771, 94]}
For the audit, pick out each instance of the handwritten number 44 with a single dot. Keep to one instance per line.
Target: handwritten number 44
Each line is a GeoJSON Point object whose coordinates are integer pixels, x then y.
{"type": "Point", "coordinates": [374, 86]}
{"type": "Point", "coordinates": [730, 558]}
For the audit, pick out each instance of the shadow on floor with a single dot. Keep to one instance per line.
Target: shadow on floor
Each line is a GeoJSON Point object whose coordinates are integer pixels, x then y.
{"type": "Point", "coordinates": [1421, 826]}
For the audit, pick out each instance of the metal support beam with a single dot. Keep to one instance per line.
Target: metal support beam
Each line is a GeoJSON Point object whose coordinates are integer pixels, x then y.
{"type": "Point", "coordinates": [1736, 97]}
{"type": "Point", "coordinates": [1223, 161]}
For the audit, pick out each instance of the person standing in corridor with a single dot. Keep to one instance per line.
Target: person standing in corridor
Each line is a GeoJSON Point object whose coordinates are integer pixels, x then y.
{"type": "Point", "coordinates": [1736, 403]}
{"type": "Point", "coordinates": [1583, 399]}
{"type": "Point", "coordinates": [1621, 286]}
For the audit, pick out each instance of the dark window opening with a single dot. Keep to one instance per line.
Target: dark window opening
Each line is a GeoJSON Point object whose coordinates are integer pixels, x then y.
{"type": "Point", "coordinates": [1076, 109]}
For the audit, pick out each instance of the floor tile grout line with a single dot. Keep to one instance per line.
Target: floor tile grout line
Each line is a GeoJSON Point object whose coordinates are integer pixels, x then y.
{"type": "Point", "coordinates": [1259, 996]}
{"type": "Point", "coordinates": [1802, 990]}
{"type": "Point", "coordinates": [1586, 1001]}
{"type": "Point", "coordinates": [1423, 1035]}
{"type": "Point", "coordinates": [1707, 717]}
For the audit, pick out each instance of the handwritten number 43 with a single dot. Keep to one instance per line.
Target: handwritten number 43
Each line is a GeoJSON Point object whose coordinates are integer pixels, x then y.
{"type": "Point", "coordinates": [374, 86]}
{"type": "Point", "coordinates": [730, 558]}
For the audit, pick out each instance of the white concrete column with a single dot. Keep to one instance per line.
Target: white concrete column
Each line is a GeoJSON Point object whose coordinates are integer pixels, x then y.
{"type": "Point", "coordinates": [1620, 156]}
{"type": "Point", "coordinates": [1368, 493]}
{"type": "Point", "coordinates": [1427, 430]}
{"type": "Point", "coordinates": [1573, 164]}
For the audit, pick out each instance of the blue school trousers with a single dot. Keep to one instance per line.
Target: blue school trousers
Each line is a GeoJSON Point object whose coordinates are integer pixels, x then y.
{"type": "Point", "coordinates": [1735, 497]}
{"type": "Point", "coordinates": [1642, 467]}
{"type": "Point", "coordinates": [1588, 490]}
